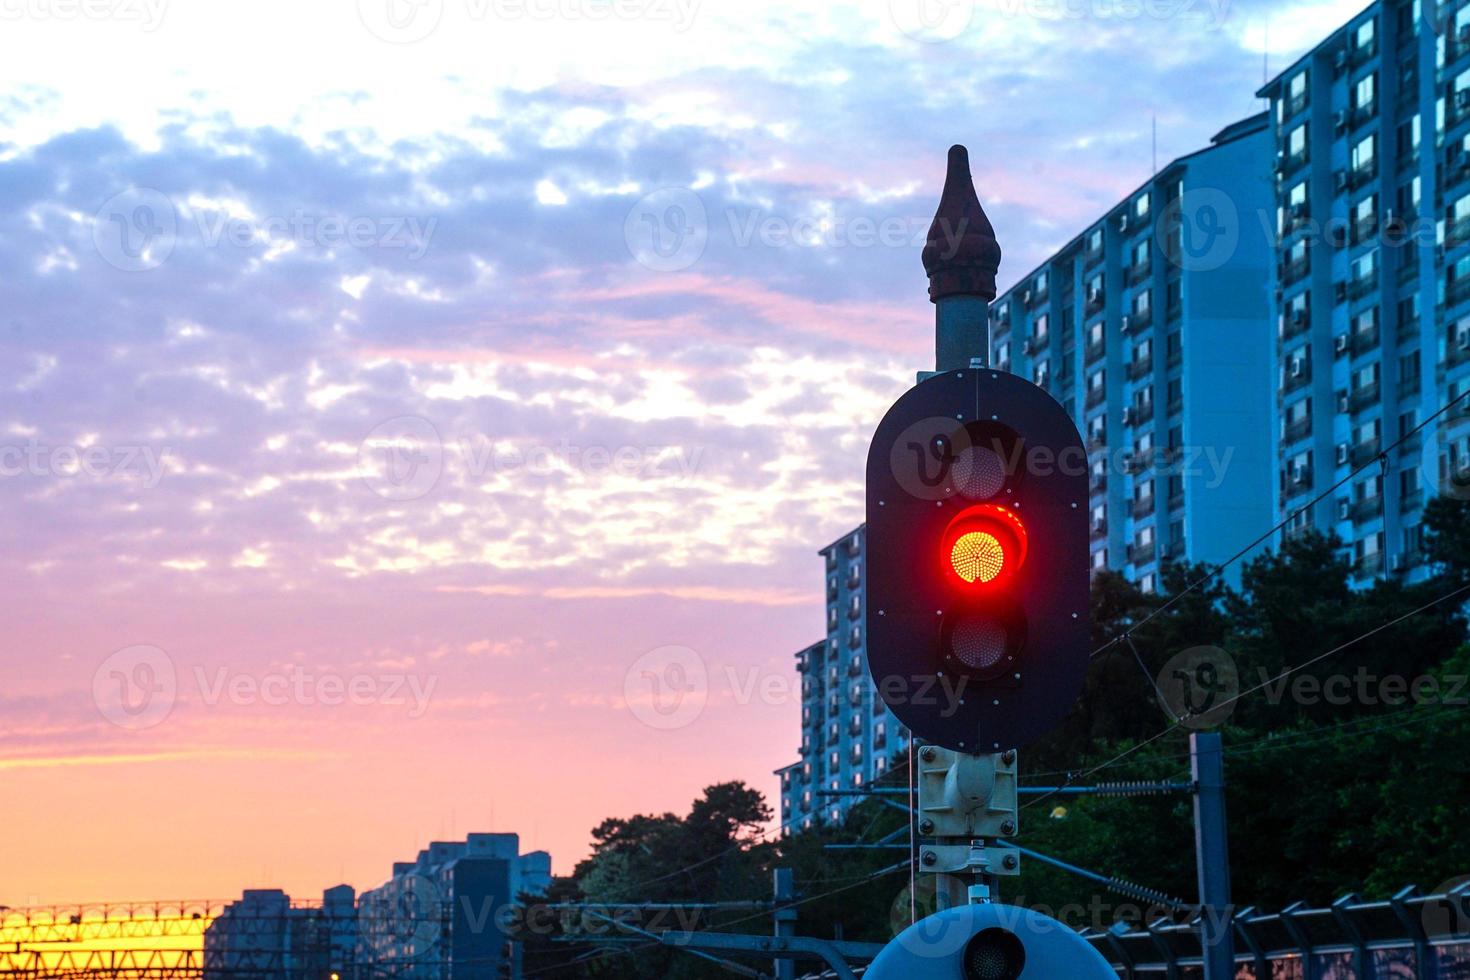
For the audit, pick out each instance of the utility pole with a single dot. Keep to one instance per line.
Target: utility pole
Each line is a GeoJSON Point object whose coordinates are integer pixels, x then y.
{"type": "Point", "coordinates": [785, 916]}
{"type": "Point", "coordinates": [1212, 855]}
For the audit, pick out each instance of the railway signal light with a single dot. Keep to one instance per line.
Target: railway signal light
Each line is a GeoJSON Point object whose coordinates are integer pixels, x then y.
{"type": "Point", "coordinates": [977, 490]}
{"type": "Point", "coordinates": [977, 560]}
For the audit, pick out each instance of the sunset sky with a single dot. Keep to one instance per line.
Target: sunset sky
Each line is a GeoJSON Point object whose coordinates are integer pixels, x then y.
{"type": "Point", "coordinates": [390, 392]}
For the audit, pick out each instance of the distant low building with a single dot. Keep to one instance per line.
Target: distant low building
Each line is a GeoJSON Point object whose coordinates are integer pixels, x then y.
{"type": "Point", "coordinates": [266, 936]}
{"type": "Point", "coordinates": [444, 915]}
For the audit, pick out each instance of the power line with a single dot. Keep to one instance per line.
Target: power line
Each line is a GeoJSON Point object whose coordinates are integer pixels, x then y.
{"type": "Point", "coordinates": [1377, 460]}
{"type": "Point", "coordinates": [1174, 726]}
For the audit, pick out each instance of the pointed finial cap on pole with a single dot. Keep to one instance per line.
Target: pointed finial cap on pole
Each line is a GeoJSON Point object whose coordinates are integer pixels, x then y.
{"type": "Point", "coordinates": [961, 254]}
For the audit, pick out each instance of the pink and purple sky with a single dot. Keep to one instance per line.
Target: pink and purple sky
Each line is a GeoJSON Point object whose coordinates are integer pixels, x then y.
{"type": "Point", "coordinates": [386, 385]}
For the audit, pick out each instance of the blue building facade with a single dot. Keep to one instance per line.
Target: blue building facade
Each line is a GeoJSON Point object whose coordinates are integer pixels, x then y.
{"type": "Point", "coordinates": [1151, 328]}
{"type": "Point", "coordinates": [1371, 137]}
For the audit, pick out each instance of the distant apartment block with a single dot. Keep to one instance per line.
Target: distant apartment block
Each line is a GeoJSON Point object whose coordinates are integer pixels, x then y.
{"type": "Point", "coordinates": [848, 735]}
{"type": "Point", "coordinates": [1151, 329]}
{"type": "Point", "coordinates": [266, 935]}
{"type": "Point", "coordinates": [440, 915]}
{"type": "Point", "coordinates": [1371, 161]}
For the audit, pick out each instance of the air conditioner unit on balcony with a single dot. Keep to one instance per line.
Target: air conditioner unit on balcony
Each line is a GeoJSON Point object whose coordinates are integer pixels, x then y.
{"type": "Point", "coordinates": [1128, 416]}
{"type": "Point", "coordinates": [1342, 401]}
{"type": "Point", "coordinates": [1340, 120]}
{"type": "Point", "coordinates": [1395, 563]}
{"type": "Point", "coordinates": [1340, 59]}
{"type": "Point", "coordinates": [1099, 525]}
{"type": "Point", "coordinates": [1280, 162]}
{"type": "Point", "coordinates": [1028, 347]}
{"type": "Point", "coordinates": [1340, 344]}
{"type": "Point", "coordinates": [1125, 320]}
{"type": "Point", "coordinates": [1123, 221]}
{"type": "Point", "coordinates": [1342, 454]}
{"type": "Point", "coordinates": [1025, 296]}
{"type": "Point", "coordinates": [1343, 508]}
{"type": "Point", "coordinates": [1339, 181]}
{"type": "Point", "coordinates": [1296, 367]}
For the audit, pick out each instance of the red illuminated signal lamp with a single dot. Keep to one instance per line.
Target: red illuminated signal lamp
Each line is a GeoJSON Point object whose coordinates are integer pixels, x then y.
{"type": "Point", "coordinates": [982, 548]}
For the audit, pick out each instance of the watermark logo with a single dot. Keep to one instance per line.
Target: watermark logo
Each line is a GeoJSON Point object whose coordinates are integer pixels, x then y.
{"type": "Point", "coordinates": [932, 21]}
{"type": "Point", "coordinates": [1199, 686]}
{"type": "Point", "coordinates": [135, 687]}
{"type": "Point", "coordinates": [96, 462]}
{"type": "Point", "coordinates": [136, 230]}
{"type": "Point", "coordinates": [146, 13]}
{"type": "Point", "coordinates": [1199, 230]}
{"type": "Point", "coordinates": [1450, 478]}
{"type": "Point", "coordinates": [667, 230]}
{"type": "Point", "coordinates": [1450, 916]}
{"type": "Point", "coordinates": [402, 458]}
{"type": "Point", "coordinates": [400, 21]}
{"type": "Point", "coordinates": [667, 688]}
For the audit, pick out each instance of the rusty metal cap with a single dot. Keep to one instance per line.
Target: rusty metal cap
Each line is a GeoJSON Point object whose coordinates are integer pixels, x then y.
{"type": "Point", "coordinates": [961, 254]}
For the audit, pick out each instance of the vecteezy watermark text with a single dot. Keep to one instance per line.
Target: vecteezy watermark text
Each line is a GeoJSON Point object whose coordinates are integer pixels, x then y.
{"type": "Point", "coordinates": [93, 461]}
{"type": "Point", "coordinates": [146, 13]}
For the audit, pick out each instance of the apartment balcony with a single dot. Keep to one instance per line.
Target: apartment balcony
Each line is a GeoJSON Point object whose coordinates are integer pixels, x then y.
{"type": "Point", "coordinates": [1139, 367]}
{"type": "Point", "coordinates": [1294, 324]}
{"type": "Point", "coordinates": [1137, 273]}
{"type": "Point", "coordinates": [1364, 397]}
{"type": "Point", "coordinates": [1360, 175]}
{"type": "Point", "coordinates": [1457, 291]}
{"type": "Point", "coordinates": [1358, 288]}
{"type": "Point", "coordinates": [1096, 441]}
{"type": "Point", "coordinates": [1300, 379]}
{"type": "Point", "coordinates": [1362, 114]}
{"type": "Point", "coordinates": [1095, 397]}
{"type": "Point", "coordinates": [1369, 565]}
{"type": "Point", "coordinates": [1297, 216]}
{"type": "Point", "coordinates": [1137, 321]}
{"type": "Point", "coordinates": [1456, 348]}
{"type": "Point", "coordinates": [1299, 429]}
{"type": "Point", "coordinates": [1456, 168]}
{"type": "Point", "coordinates": [1456, 233]}
{"type": "Point", "coordinates": [1363, 341]}
{"type": "Point", "coordinates": [1457, 108]}
{"type": "Point", "coordinates": [1298, 480]}
{"type": "Point", "coordinates": [1137, 414]}
{"type": "Point", "coordinates": [1411, 501]}
{"type": "Point", "coordinates": [1000, 325]}
{"type": "Point", "coordinates": [1365, 451]}
{"type": "Point", "coordinates": [1365, 508]}
{"type": "Point", "coordinates": [1036, 343]}
{"type": "Point", "coordinates": [1295, 269]}
{"type": "Point", "coordinates": [1362, 54]}
{"type": "Point", "coordinates": [1099, 530]}
{"type": "Point", "coordinates": [1289, 163]}
{"type": "Point", "coordinates": [1143, 506]}
{"type": "Point", "coordinates": [1363, 229]}
{"type": "Point", "coordinates": [1175, 406]}
{"type": "Point", "coordinates": [1173, 312]}
{"type": "Point", "coordinates": [1140, 554]}
{"type": "Point", "coordinates": [1409, 387]}
{"type": "Point", "coordinates": [1094, 302]}
{"type": "Point", "coordinates": [1093, 352]}
{"type": "Point", "coordinates": [1099, 482]}
{"type": "Point", "coordinates": [1091, 257]}
{"type": "Point", "coordinates": [1293, 105]}
{"type": "Point", "coordinates": [1037, 297]}
{"type": "Point", "coordinates": [1455, 48]}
